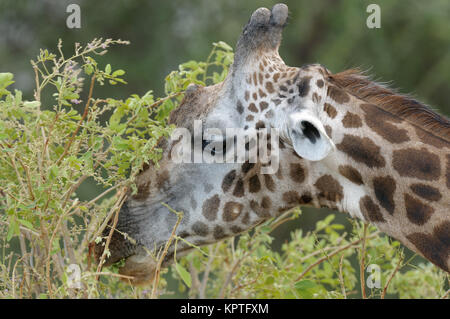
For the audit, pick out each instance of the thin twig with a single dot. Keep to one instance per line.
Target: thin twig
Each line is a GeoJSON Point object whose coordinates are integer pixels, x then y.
{"type": "Point", "coordinates": [116, 208]}
{"type": "Point", "coordinates": [164, 253]}
{"type": "Point", "coordinates": [341, 277]}
{"type": "Point", "coordinates": [205, 278]}
{"type": "Point", "coordinates": [362, 262]}
{"type": "Point", "coordinates": [195, 280]}
{"type": "Point", "coordinates": [231, 273]}
{"type": "Point", "coordinates": [85, 113]}
{"type": "Point", "coordinates": [103, 273]}
{"type": "Point", "coordinates": [332, 254]}
{"type": "Point", "coordinates": [383, 294]}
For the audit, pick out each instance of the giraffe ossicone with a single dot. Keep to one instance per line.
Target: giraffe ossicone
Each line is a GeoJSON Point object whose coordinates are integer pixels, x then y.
{"type": "Point", "coordinates": [345, 142]}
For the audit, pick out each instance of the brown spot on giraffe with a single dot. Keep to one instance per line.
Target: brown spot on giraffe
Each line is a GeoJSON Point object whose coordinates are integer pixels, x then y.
{"type": "Point", "coordinates": [442, 233]}
{"type": "Point", "coordinates": [266, 203]}
{"type": "Point", "coordinates": [297, 172]}
{"type": "Point", "coordinates": [263, 105]}
{"type": "Point", "coordinates": [306, 198]}
{"type": "Point", "coordinates": [236, 229]}
{"type": "Point", "coordinates": [362, 150]}
{"type": "Point", "coordinates": [276, 101]}
{"type": "Point", "coordinates": [436, 247]}
{"type": "Point", "coordinates": [259, 209]}
{"type": "Point", "coordinates": [384, 188]}
{"type": "Point", "coordinates": [231, 211]}
{"type": "Point", "coordinates": [239, 188]}
{"type": "Point", "coordinates": [351, 120]}
{"type": "Point", "coordinates": [200, 229]}
{"type": "Point", "coordinates": [269, 87]}
{"type": "Point", "coordinates": [417, 212]}
{"type": "Point", "coordinates": [249, 118]}
{"type": "Point", "coordinates": [329, 188]}
{"type": "Point", "coordinates": [246, 96]}
{"type": "Point", "coordinates": [316, 98]}
{"type": "Point", "coordinates": [268, 181]}
{"type": "Point", "coordinates": [246, 218]}
{"type": "Point", "coordinates": [338, 94]}
{"type": "Point", "coordinates": [219, 233]}
{"type": "Point", "coordinates": [261, 78]}
{"type": "Point", "coordinates": [351, 174]}
{"type": "Point", "coordinates": [293, 198]}
{"type": "Point", "coordinates": [319, 83]}
{"type": "Point", "coordinates": [276, 76]}
{"type": "Point", "coordinates": [330, 110]}
{"type": "Point", "coordinates": [279, 173]}
{"type": "Point", "coordinates": [228, 180]}
{"type": "Point", "coordinates": [381, 121]}
{"type": "Point", "coordinates": [210, 207]}
{"type": "Point", "coordinates": [370, 210]}
{"type": "Point", "coordinates": [261, 93]}
{"type": "Point", "coordinates": [426, 192]}
{"type": "Point", "coordinates": [328, 130]}
{"type": "Point", "coordinates": [254, 184]}
{"type": "Point", "coordinates": [239, 107]}
{"type": "Point", "coordinates": [419, 163]}
{"type": "Point", "coordinates": [162, 180]}
{"type": "Point", "coordinates": [246, 167]}
{"type": "Point", "coordinates": [143, 190]}
{"type": "Point", "coordinates": [261, 67]}
{"type": "Point", "coordinates": [269, 114]}
{"type": "Point", "coordinates": [252, 108]}
{"type": "Point", "coordinates": [303, 86]}
{"type": "Point", "coordinates": [260, 125]}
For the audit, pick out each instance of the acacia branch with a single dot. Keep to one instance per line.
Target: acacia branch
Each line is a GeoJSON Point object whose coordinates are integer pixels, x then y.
{"type": "Point", "coordinates": [332, 254]}
{"type": "Point", "coordinates": [85, 113]}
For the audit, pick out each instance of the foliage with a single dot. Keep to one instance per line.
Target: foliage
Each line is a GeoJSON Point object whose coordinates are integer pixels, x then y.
{"type": "Point", "coordinates": [50, 147]}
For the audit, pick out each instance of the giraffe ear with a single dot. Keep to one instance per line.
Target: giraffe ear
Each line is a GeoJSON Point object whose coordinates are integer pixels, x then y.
{"type": "Point", "coordinates": [308, 136]}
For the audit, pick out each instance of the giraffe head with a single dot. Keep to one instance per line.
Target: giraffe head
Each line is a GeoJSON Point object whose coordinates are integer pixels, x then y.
{"type": "Point", "coordinates": [295, 106]}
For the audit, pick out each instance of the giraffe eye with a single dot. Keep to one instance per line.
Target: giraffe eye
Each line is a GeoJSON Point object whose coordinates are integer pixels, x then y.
{"type": "Point", "coordinates": [205, 143]}
{"type": "Point", "coordinates": [214, 147]}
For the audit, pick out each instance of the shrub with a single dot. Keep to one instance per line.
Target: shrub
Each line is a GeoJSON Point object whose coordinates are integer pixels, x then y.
{"type": "Point", "coordinates": [52, 143]}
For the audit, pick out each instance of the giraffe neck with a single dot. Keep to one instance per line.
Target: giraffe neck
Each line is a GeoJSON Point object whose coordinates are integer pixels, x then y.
{"type": "Point", "coordinates": [388, 171]}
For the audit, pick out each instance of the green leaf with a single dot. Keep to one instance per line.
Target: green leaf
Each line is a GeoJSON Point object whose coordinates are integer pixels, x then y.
{"type": "Point", "coordinates": [26, 223]}
{"type": "Point", "coordinates": [6, 79]}
{"type": "Point", "coordinates": [269, 281]}
{"type": "Point", "coordinates": [10, 230]}
{"type": "Point", "coordinates": [304, 285]}
{"type": "Point", "coordinates": [118, 73]}
{"type": "Point", "coordinates": [33, 104]}
{"type": "Point", "coordinates": [108, 69]}
{"type": "Point", "coordinates": [88, 69]}
{"type": "Point", "coordinates": [184, 274]}
{"type": "Point", "coordinates": [223, 45]}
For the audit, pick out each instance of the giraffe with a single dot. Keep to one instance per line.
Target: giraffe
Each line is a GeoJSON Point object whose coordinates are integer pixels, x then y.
{"type": "Point", "coordinates": [345, 143]}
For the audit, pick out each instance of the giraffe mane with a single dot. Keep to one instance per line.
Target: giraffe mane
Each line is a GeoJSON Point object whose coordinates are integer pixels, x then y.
{"type": "Point", "coordinates": [355, 82]}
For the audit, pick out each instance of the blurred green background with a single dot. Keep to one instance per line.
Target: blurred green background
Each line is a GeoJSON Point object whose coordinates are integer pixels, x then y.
{"type": "Point", "coordinates": [411, 50]}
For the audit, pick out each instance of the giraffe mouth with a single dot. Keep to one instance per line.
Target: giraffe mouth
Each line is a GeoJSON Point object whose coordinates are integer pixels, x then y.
{"type": "Point", "coordinates": [140, 269]}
